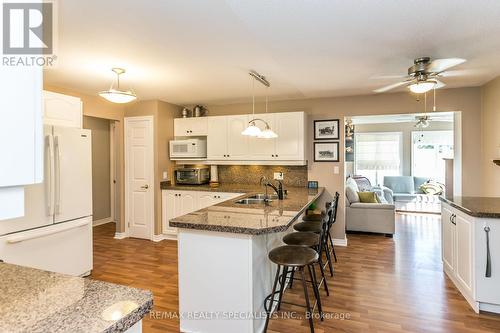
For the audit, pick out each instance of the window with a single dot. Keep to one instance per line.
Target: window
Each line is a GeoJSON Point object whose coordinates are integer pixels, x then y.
{"type": "Point", "coordinates": [377, 155]}
{"type": "Point", "coordinates": [428, 150]}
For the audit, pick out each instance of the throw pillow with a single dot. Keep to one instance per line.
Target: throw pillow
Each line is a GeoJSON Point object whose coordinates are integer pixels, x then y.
{"type": "Point", "coordinates": [351, 194]}
{"type": "Point", "coordinates": [368, 197]}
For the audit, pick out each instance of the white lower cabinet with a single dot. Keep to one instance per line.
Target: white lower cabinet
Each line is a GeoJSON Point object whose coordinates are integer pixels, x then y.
{"type": "Point", "coordinates": [178, 203]}
{"type": "Point", "coordinates": [464, 254]}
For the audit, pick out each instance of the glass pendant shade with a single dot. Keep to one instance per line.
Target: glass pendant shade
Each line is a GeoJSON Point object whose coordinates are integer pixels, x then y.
{"type": "Point", "coordinates": [252, 130]}
{"type": "Point", "coordinates": [267, 134]}
{"type": "Point", "coordinates": [116, 95]}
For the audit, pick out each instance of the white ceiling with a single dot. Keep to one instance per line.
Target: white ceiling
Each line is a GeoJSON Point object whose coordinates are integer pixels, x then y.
{"type": "Point", "coordinates": [187, 51]}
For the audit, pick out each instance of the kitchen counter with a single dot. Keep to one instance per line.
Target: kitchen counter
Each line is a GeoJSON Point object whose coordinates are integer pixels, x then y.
{"type": "Point", "coordinates": [226, 187]}
{"type": "Point", "coordinates": [253, 219]}
{"type": "Point", "coordinates": [232, 240]}
{"type": "Point", "coordinates": [33, 300]}
{"type": "Point", "coordinates": [484, 207]}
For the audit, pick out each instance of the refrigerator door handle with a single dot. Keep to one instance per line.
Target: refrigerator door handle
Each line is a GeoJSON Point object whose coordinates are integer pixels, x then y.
{"type": "Point", "coordinates": [50, 183]}
{"type": "Point", "coordinates": [57, 172]}
{"type": "Point", "coordinates": [18, 239]}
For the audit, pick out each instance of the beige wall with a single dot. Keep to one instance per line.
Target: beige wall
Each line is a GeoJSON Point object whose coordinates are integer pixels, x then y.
{"type": "Point", "coordinates": [491, 138]}
{"type": "Point", "coordinates": [101, 184]}
{"type": "Point", "coordinates": [467, 100]}
{"type": "Point", "coordinates": [163, 114]}
{"type": "Point", "coordinates": [406, 129]}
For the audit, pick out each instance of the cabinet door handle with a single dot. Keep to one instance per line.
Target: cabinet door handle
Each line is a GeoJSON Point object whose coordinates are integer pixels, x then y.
{"type": "Point", "coordinates": [452, 219]}
{"type": "Point", "coordinates": [488, 254]}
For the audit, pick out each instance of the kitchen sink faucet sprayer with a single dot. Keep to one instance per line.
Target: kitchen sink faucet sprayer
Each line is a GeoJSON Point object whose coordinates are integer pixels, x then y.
{"type": "Point", "coordinates": [279, 190]}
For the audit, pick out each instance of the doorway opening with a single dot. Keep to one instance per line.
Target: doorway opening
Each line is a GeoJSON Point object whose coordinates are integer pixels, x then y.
{"type": "Point", "coordinates": [413, 155]}
{"type": "Point", "coordinates": [106, 192]}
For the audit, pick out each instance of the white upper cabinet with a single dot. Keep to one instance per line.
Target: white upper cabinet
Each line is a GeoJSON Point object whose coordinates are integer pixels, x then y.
{"type": "Point", "coordinates": [226, 144]}
{"type": "Point", "coordinates": [21, 126]}
{"type": "Point", "coordinates": [197, 126]}
{"type": "Point", "coordinates": [62, 110]}
{"type": "Point", "coordinates": [237, 144]}
{"type": "Point", "coordinates": [217, 138]}
{"type": "Point", "coordinates": [290, 143]}
{"type": "Point", "coordinates": [263, 149]}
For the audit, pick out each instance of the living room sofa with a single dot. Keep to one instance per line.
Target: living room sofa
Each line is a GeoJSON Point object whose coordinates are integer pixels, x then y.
{"type": "Point", "coordinates": [369, 217]}
{"type": "Point", "coordinates": [405, 188]}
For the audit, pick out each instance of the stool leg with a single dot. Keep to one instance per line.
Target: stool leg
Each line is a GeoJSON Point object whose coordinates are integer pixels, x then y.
{"type": "Point", "coordinates": [292, 277]}
{"type": "Point", "coordinates": [283, 281]}
{"type": "Point", "coordinates": [314, 282]}
{"type": "Point", "coordinates": [327, 252]}
{"type": "Point", "coordinates": [322, 271]}
{"type": "Point", "coordinates": [269, 311]}
{"type": "Point", "coordinates": [333, 247]}
{"type": "Point", "coordinates": [306, 295]}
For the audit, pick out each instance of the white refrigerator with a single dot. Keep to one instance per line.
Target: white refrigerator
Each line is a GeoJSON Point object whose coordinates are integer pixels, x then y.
{"type": "Point", "coordinates": [56, 232]}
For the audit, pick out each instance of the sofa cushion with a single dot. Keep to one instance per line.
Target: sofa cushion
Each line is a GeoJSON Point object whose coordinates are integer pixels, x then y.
{"type": "Point", "coordinates": [351, 194]}
{"type": "Point", "coordinates": [368, 197]}
{"type": "Point", "coordinates": [362, 205]}
{"type": "Point", "coordinates": [400, 184]}
{"type": "Point", "coordinates": [419, 181]}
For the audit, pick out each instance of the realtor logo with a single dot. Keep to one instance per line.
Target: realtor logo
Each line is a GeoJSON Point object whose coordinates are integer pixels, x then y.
{"type": "Point", "coordinates": [28, 28]}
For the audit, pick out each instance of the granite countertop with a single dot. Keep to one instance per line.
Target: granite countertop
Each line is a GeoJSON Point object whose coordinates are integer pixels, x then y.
{"type": "Point", "coordinates": [254, 219]}
{"type": "Point", "coordinates": [487, 207]}
{"type": "Point", "coordinates": [33, 300]}
{"type": "Point", "coordinates": [226, 187]}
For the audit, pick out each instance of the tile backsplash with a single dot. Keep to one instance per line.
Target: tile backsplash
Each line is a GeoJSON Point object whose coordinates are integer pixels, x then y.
{"type": "Point", "coordinates": [250, 174]}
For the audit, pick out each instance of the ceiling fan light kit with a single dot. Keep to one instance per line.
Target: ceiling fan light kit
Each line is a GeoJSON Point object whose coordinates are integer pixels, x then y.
{"type": "Point", "coordinates": [421, 87]}
{"type": "Point", "coordinates": [423, 75]}
{"type": "Point", "coordinates": [116, 95]}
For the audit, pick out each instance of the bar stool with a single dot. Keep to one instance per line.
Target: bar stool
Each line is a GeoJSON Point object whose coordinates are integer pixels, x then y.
{"type": "Point", "coordinates": [312, 240]}
{"type": "Point", "coordinates": [293, 257]}
{"type": "Point", "coordinates": [316, 227]}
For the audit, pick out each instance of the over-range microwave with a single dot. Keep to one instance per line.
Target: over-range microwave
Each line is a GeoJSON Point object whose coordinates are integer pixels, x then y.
{"type": "Point", "coordinates": [189, 148]}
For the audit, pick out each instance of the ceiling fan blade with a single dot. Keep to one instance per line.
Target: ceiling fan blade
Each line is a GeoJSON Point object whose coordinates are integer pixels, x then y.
{"type": "Point", "coordinates": [391, 86]}
{"type": "Point", "coordinates": [439, 84]}
{"type": "Point", "coordinates": [439, 65]}
{"type": "Point", "coordinates": [388, 77]}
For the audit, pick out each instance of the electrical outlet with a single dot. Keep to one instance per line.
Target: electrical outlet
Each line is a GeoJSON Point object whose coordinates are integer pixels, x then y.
{"type": "Point", "coordinates": [278, 176]}
{"type": "Point", "coordinates": [165, 175]}
{"type": "Point", "coordinates": [336, 170]}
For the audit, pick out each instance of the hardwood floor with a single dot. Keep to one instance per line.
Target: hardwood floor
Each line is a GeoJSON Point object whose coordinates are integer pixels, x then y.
{"type": "Point", "coordinates": [380, 284]}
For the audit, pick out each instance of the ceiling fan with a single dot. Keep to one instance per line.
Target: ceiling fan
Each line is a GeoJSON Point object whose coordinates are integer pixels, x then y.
{"type": "Point", "coordinates": [423, 75]}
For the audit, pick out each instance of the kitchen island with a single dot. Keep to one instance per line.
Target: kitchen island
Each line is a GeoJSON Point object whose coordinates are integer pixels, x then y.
{"type": "Point", "coordinates": [224, 270]}
{"type": "Point", "coordinates": [471, 249]}
{"type": "Point", "coordinates": [33, 300]}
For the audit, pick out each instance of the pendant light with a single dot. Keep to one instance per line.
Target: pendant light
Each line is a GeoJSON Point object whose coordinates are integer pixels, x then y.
{"type": "Point", "coordinates": [267, 133]}
{"type": "Point", "coordinates": [253, 129]}
{"type": "Point", "coordinates": [116, 95]}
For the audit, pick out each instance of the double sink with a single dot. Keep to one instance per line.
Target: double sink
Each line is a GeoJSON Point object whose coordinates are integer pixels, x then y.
{"type": "Point", "coordinates": [257, 199]}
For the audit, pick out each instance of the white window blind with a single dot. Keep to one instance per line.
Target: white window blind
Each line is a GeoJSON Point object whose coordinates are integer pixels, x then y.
{"type": "Point", "coordinates": [378, 155]}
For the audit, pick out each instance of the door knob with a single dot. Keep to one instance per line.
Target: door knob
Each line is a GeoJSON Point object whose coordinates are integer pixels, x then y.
{"type": "Point", "coordinates": [145, 187]}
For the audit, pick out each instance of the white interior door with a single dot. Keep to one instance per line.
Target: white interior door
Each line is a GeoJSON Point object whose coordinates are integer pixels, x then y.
{"type": "Point", "coordinates": [73, 173]}
{"type": "Point", "coordinates": [139, 176]}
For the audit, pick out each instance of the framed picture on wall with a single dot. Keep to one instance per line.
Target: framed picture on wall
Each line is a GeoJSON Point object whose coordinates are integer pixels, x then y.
{"type": "Point", "coordinates": [326, 129]}
{"type": "Point", "coordinates": [326, 152]}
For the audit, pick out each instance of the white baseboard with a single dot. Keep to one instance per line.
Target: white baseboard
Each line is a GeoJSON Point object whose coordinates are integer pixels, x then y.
{"type": "Point", "coordinates": [160, 237]}
{"type": "Point", "coordinates": [102, 221]}
{"type": "Point", "coordinates": [121, 235]}
{"type": "Point", "coordinates": [340, 241]}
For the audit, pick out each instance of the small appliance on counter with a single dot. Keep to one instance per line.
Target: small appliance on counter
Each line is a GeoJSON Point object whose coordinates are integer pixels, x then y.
{"type": "Point", "coordinates": [188, 149]}
{"type": "Point", "coordinates": [197, 175]}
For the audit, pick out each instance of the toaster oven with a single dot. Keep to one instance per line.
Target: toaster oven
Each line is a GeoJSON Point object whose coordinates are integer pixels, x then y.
{"type": "Point", "coordinates": [192, 176]}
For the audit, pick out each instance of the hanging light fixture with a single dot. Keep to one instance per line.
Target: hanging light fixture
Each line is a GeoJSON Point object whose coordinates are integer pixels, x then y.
{"type": "Point", "coordinates": [253, 129]}
{"type": "Point", "coordinates": [116, 95]}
